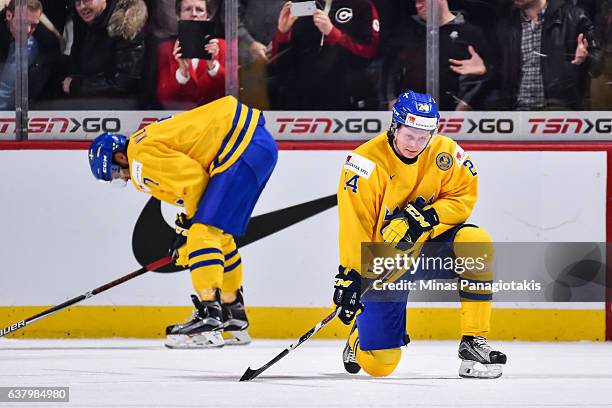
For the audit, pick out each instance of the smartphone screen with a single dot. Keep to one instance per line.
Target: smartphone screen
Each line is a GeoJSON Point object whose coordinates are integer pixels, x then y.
{"type": "Point", "coordinates": [305, 8]}
{"type": "Point", "coordinates": [193, 36]}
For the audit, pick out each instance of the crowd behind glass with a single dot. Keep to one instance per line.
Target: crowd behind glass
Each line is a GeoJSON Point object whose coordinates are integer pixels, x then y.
{"type": "Point", "coordinates": [349, 55]}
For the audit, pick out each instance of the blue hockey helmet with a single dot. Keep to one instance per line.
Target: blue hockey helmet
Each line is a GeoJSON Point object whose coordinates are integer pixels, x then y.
{"type": "Point", "coordinates": [419, 111]}
{"type": "Point", "coordinates": [101, 154]}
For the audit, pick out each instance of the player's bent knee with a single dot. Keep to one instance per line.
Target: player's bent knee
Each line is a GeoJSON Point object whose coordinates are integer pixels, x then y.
{"type": "Point", "coordinates": [473, 234]}
{"type": "Point", "coordinates": [474, 243]}
{"type": "Point", "coordinates": [379, 363]}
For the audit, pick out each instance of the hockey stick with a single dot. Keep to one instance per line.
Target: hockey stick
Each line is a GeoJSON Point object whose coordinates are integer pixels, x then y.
{"type": "Point", "coordinates": [150, 267]}
{"type": "Point", "coordinates": [249, 374]}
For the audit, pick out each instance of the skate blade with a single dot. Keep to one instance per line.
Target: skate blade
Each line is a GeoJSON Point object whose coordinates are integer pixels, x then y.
{"type": "Point", "coordinates": [470, 369]}
{"type": "Point", "coordinates": [236, 338]}
{"type": "Point", "coordinates": [196, 341]}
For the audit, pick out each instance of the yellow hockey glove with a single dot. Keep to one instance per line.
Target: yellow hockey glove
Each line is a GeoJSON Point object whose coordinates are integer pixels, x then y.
{"type": "Point", "coordinates": [410, 224]}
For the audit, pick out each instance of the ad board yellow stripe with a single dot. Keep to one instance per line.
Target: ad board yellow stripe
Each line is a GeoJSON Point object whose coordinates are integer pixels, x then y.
{"type": "Point", "coordinates": [291, 323]}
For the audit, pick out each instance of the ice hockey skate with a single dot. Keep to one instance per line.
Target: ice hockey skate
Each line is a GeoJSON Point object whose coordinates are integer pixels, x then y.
{"type": "Point", "coordinates": [203, 330]}
{"type": "Point", "coordinates": [236, 322]}
{"type": "Point", "coordinates": [348, 355]}
{"type": "Point", "coordinates": [474, 351]}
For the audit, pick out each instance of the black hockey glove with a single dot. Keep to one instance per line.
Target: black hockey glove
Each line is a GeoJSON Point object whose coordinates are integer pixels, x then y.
{"type": "Point", "coordinates": [347, 291]}
{"type": "Point", "coordinates": [181, 227]}
{"type": "Point", "coordinates": [406, 228]}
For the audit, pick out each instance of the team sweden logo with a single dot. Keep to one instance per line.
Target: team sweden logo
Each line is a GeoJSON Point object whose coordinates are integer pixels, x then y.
{"type": "Point", "coordinates": [444, 161]}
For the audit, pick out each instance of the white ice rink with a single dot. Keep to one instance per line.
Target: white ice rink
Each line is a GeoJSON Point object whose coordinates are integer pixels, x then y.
{"type": "Point", "coordinates": [142, 373]}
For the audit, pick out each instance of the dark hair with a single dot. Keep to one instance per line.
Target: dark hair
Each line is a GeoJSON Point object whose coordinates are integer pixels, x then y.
{"type": "Point", "coordinates": [179, 3]}
{"type": "Point", "coordinates": [34, 5]}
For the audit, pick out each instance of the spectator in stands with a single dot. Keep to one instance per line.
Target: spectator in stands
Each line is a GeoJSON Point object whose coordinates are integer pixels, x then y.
{"type": "Point", "coordinates": [546, 52]}
{"type": "Point", "coordinates": [186, 83]}
{"type": "Point", "coordinates": [484, 14]}
{"type": "Point", "coordinates": [321, 62]}
{"type": "Point", "coordinates": [107, 54]}
{"type": "Point", "coordinates": [8, 33]}
{"type": "Point", "coordinates": [600, 13]}
{"type": "Point", "coordinates": [464, 74]}
{"type": "Point", "coordinates": [57, 12]}
{"type": "Point", "coordinates": [45, 59]}
{"type": "Point", "coordinates": [257, 26]}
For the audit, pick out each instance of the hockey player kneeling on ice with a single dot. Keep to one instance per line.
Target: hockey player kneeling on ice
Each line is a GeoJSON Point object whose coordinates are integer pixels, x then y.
{"type": "Point", "coordinates": [214, 161]}
{"type": "Point", "coordinates": [413, 189]}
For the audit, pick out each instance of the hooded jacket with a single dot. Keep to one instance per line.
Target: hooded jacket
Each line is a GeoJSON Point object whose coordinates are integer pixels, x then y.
{"type": "Point", "coordinates": [565, 84]}
{"type": "Point", "coordinates": [107, 55]}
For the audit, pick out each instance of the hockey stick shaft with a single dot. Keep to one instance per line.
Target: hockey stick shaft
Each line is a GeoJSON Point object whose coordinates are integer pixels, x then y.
{"type": "Point", "coordinates": [150, 267]}
{"type": "Point", "coordinates": [249, 374]}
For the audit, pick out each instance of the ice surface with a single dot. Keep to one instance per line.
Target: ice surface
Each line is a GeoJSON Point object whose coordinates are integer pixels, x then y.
{"type": "Point", "coordinates": [142, 373]}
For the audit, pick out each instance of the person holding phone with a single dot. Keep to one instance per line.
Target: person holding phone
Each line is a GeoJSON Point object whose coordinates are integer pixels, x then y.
{"type": "Point", "coordinates": [185, 81]}
{"type": "Point", "coordinates": [321, 54]}
{"type": "Point", "coordinates": [465, 59]}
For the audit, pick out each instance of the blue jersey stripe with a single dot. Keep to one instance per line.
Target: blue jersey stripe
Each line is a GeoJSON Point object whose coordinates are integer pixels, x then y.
{"type": "Point", "coordinates": [231, 254]}
{"type": "Point", "coordinates": [205, 251]}
{"type": "Point", "coordinates": [206, 263]}
{"type": "Point", "coordinates": [232, 266]}
{"type": "Point", "coordinates": [230, 133]}
{"type": "Point", "coordinates": [240, 137]}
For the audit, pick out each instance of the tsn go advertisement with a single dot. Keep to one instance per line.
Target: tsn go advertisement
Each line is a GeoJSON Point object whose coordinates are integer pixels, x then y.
{"type": "Point", "coordinates": [321, 126]}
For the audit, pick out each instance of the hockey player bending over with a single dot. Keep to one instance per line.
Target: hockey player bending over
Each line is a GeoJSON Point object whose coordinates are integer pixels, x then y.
{"type": "Point", "coordinates": [410, 187]}
{"type": "Point", "coordinates": [214, 161]}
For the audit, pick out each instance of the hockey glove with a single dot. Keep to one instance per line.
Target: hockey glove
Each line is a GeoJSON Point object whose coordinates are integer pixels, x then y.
{"type": "Point", "coordinates": [410, 224]}
{"type": "Point", "coordinates": [178, 249]}
{"type": "Point", "coordinates": [347, 291]}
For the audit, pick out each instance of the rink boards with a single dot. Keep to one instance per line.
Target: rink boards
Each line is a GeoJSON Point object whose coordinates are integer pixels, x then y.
{"type": "Point", "coordinates": [63, 234]}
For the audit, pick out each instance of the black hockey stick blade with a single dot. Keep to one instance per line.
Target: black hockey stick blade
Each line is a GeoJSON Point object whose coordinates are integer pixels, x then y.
{"type": "Point", "coordinates": [249, 374]}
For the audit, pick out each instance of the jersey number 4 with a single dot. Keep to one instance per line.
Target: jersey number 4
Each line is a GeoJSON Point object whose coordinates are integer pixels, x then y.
{"type": "Point", "coordinates": [352, 183]}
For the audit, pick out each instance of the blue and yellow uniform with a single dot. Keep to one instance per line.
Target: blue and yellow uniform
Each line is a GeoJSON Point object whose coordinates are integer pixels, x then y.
{"type": "Point", "coordinates": [376, 183]}
{"type": "Point", "coordinates": [214, 161]}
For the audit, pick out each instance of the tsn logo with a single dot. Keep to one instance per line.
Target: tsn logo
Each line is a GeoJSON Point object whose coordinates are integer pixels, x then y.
{"type": "Point", "coordinates": [63, 125]}
{"type": "Point", "coordinates": [569, 125]}
{"type": "Point", "coordinates": [483, 126]}
{"type": "Point", "coordinates": [328, 125]}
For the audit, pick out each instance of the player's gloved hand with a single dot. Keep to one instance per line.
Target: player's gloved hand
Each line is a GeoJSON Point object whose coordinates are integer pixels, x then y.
{"type": "Point", "coordinates": [178, 249]}
{"type": "Point", "coordinates": [347, 291]}
{"type": "Point", "coordinates": [410, 224]}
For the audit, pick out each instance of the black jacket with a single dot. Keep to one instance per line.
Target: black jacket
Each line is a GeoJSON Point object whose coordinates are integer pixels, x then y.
{"type": "Point", "coordinates": [565, 84]}
{"type": "Point", "coordinates": [404, 65]}
{"type": "Point", "coordinates": [41, 71]}
{"type": "Point", "coordinates": [329, 77]}
{"type": "Point", "coordinates": [106, 57]}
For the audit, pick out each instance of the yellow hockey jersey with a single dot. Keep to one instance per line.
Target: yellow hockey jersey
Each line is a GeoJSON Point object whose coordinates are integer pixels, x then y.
{"type": "Point", "coordinates": [376, 184]}
{"type": "Point", "coordinates": [174, 158]}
